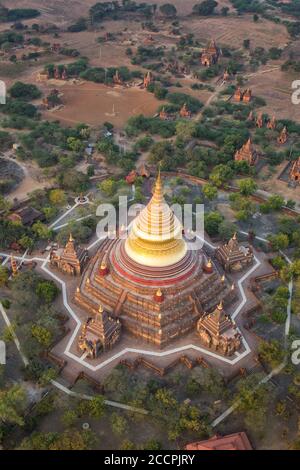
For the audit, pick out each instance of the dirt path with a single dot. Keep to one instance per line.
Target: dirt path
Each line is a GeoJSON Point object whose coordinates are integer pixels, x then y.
{"type": "Point", "coordinates": [28, 184]}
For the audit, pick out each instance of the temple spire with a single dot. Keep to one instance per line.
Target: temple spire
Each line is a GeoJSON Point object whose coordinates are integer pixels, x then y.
{"type": "Point", "coordinates": [155, 238]}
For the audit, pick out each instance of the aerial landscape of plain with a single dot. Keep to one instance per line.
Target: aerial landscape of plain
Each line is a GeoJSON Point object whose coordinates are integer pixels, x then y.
{"type": "Point", "coordinates": [150, 227]}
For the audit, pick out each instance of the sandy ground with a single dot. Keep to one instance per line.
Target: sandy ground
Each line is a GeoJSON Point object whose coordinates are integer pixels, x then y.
{"type": "Point", "coordinates": [276, 186]}
{"type": "Point", "coordinates": [232, 31]}
{"type": "Point", "coordinates": [276, 89]}
{"type": "Point", "coordinates": [32, 180]}
{"type": "Point", "coordinates": [93, 104]}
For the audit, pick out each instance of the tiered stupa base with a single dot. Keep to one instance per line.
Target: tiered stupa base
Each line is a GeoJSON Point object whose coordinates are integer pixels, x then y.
{"type": "Point", "coordinates": [155, 304]}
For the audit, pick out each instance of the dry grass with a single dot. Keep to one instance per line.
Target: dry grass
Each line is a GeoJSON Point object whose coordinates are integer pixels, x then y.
{"type": "Point", "coordinates": [275, 88]}
{"type": "Point", "coordinates": [232, 31]}
{"type": "Point", "coordinates": [93, 104]}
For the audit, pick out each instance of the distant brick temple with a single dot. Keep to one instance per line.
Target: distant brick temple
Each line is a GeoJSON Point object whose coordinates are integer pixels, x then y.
{"type": "Point", "coordinates": [244, 96]}
{"type": "Point", "coordinates": [272, 123]}
{"type": "Point", "coordinates": [147, 80]}
{"type": "Point", "coordinates": [185, 112]}
{"type": "Point", "coordinates": [247, 153]}
{"type": "Point", "coordinates": [233, 256]}
{"type": "Point", "coordinates": [71, 259]}
{"type": "Point", "coordinates": [99, 334]}
{"type": "Point", "coordinates": [283, 136]}
{"type": "Point", "coordinates": [150, 281]}
{"type": "Point", "coordinates": [295, 171]}
{"type": "Point", "coordinates": [210, 54]}
{"type": "Point", "coordinates": [217, 331]}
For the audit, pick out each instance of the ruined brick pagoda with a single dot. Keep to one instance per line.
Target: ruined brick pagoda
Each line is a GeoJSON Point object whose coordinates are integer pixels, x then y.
{"type": "Point", "coordinates": [295, 171]}
{"type": "Point", "coordinates": [210, 54]}
{"type": "Point", "coordinates": [247, 154]}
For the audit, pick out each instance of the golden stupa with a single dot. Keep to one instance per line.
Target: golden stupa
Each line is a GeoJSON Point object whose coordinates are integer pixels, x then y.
{"type": "Point", "coordinates": [155, 238]}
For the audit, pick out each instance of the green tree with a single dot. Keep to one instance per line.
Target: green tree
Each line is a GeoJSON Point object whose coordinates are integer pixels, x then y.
{"type": "Point", "coordinates": [252, 401]}
{"type": "Point", "coordinates": [12, 403]}
{"type": "Point", "coordinates": [41, 230]}
{"type": "Point", "coordinates": [24, 91]}
{"type": "Point", "coordinates": [4, 275]}
{"type": "Point", "coordinates": [212, 222]}
{"type": "Point", "coordinates": [279, 241]}
{"type": "Point", "coordinates": [247, 186]}
{"type": "Point", "coordinates": [57, 197]}
{"type": "Point", "coordinates": [119, 424]}
{"type": "Point", "coordinates": [47, 291]}
{"type": "Point", "coordinates": [205, 8]}
{"type": "Point", "coordinates": [185, 130]}
{"type": "Point", "coordinates": [97, 407]}
{"type": "Point", "coordinates": [168, 10]}
{"type": "Point", "coordinates": [210, 191]}
{"type": "Point", "coordinates": [271, 352]}
{"type": "Point", "coordinates": [42, 335]}
{"type": "Point", "coordinates": [26, 242]}
{"type": "Point", "coordinates": [108, 187]}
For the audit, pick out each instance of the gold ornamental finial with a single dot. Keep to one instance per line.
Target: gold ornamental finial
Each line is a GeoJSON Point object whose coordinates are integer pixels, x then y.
{"type": "Point", "coordinates": [100, 309]}
{"type": "Point", "coordinates": [103, 265]}
{"type": "Point", "coordinates": [158, 292]}
{"type": "Point", "coordinates": [209, 263]}
{"type": "Point", "coordinates": [220, 306]}
{"type": "Point", "coordinates": [71, 239]}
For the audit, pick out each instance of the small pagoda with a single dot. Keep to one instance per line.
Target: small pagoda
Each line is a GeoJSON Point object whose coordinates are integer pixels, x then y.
{"type": "Point", "coordinates": [271, 124]}
{"type": "Point", "coordinates": [71, 259]}
{"type": "Point", "coordinates": [233, 256]}
{"type": "Point", "coordinates": [283, 136]}
{"type": "Point", "coordinates": [57, 73]}
{"type": "Point", "coordinates": [247, 153]}
{"type": "Point", "coordinates": [238, 95]}
{"type": "Point", "coordinates": [259, 121]}
{"type": "Point", "coordinates": [210, 54]}
{"type": "Point", "coordinates": [64, 75]}
{"type": "Point", "coordinates": [185, 112]}
{"type": "Point", "coordinates": [117, 78]}
{"type": "Point", "coordinates": [99, 334]}
{"type": "Point", "coordinates": [163, 115]}
{"type": "Point", "coordinates": [147, 80]}
{"type": "Point", "coordinates": [247, 96]}
{"type": "Point", "coordinates": [250, 116]}
{"type": "Point", "coordinates": [219, 332]}
{"type": "Point", "coordinates": [295, 171]}
{"type": "Point", "coordinates": [226, 75]}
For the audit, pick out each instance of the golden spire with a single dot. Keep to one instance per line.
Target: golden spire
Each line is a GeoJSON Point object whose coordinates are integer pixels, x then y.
{"type": "Point", "coordinates": [71, 239]}
{"type": "Point", "coordinates": [100, 309]}
{"type": "Point", "coordinates": [220, 306]}
{"type": "Point", "coordinates": [155, 238]}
